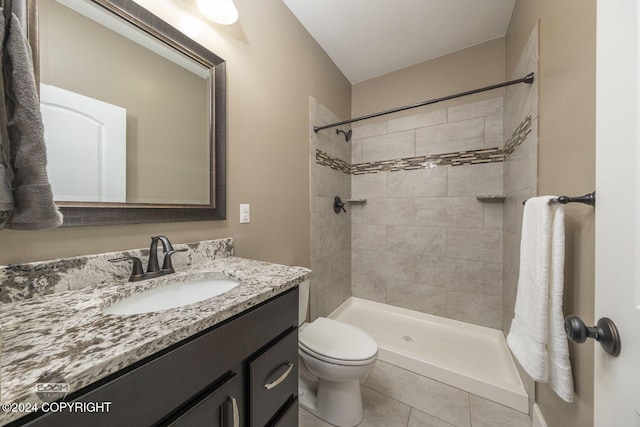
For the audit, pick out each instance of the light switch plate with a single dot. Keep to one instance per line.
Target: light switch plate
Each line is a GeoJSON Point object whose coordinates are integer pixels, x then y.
{"type": "Point", "coordinates": [245, 213]}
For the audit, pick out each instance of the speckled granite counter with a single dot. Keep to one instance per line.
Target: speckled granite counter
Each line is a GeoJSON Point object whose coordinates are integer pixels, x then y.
{"type": "Point", "coordinates": [67, 333]}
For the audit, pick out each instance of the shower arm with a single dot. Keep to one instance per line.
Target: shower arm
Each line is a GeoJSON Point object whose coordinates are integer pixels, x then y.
{"type": "Point", "coordinates": [528, 79]}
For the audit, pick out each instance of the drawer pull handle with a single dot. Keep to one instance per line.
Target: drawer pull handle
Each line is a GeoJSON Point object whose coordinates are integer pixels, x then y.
{"type": "Point", "coordinates": [235, 412]}
{"type": "Point", "coordinates": [269, 386]}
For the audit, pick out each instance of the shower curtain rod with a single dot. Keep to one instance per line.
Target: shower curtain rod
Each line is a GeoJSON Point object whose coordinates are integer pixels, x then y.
{"type": "Point", "coordinates": [526, 79]}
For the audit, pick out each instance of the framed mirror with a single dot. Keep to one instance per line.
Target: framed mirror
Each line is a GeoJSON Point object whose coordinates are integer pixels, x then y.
{"type": "Point", "coordinates": [134, 114]}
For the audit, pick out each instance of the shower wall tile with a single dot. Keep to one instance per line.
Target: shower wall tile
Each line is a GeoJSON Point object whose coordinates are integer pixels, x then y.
{"type": "Point", "coordinates": [475, 180]}
{"type": "Point", "coordinates": [473, 307]}
{"type": "Point", "coordinates": [454, 136]}
{"type": "Point", "coordinates": [391, 265]}
{"type": "Point", "coordinates": [356, 151]}
{"type": "Point", "coordinates": [418, 121]}
{"type": "Point", "coordinates": [417, 296]}
{"type": "Point", "coordinates": [389, 146]}
{"type": "Point", "coordinates": [417, 240]}
{"type": "Point", "coordinates": [493, 278]}
{"type": "Point", "coordinates": [369, 186]}
{"type": "Point", "coordinates": [449, 212]}
{"type": "Point", "coordinates": [322, 208]}
{"type": "Point", "coordinates": [370, 129]}
{"type": "Point", "coordinates": [493, 215]}
{"type": "Point", "coordinates": [330, 233]}
{"type": "Point", "coordinates": [493, 131]}
{"type": "Point", "coordinates": [487, 107]}
{"type": "Point", "coordinates": [439, 400]}
{"type": "Point", "coordinates": [368, 236]}
{"type": "Point", "coordinates": [476, 244]}
{"type": "Point", "coordinates": [327, 140]}
{"type": "Point", "coordinates": [368, 286]}
{"type": "Point", "coordinates": [456, 274]}
{"type": "Point", "coordinates": [510, 277]}
{"type": "Point", "coordinates": [402, 251]}
{"type": "Point", "coordinates": [418, 183]}
{"type": "Point", "coordinates": [328, 182]}
{"type": "Point", "coordinates": [388, 212]}
{"type": "Point", "coordinates": [333, 239]}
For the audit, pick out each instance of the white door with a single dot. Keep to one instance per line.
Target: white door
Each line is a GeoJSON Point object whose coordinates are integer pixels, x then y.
{"type": "Point", "coordinates": [86, 146]}
{"type": "Point", "coordinates": [617, 380]}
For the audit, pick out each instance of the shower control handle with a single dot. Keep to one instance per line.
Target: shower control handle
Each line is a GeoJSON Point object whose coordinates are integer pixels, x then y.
{"type": "Point", "coordinates": [338, 205]}
{"type": "Point", "coordinates": [605, 332]}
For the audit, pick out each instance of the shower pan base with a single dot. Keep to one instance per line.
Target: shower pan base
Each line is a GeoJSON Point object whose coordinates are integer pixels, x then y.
{"type": "Point", "coordinates": [472, 358]}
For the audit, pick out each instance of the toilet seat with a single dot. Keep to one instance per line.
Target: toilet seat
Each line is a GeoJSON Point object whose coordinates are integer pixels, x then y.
{"type": "Point", "coordinates": [337, 342]}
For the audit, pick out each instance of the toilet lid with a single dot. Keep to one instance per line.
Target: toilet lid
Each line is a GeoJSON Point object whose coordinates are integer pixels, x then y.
{"type": "Point", "coordinates": [337, 340]}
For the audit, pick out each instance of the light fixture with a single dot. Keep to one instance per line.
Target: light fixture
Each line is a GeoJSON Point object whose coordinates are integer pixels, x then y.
{"type": "Point", "coordinates": [219, 11]}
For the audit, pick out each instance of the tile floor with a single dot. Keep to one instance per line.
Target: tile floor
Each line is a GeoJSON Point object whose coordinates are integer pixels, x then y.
{"type": "Point", "coordinates": [395, 397]}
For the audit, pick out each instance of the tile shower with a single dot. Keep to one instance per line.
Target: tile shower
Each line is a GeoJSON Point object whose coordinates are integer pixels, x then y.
{"type": "Point", "coordinates": [439, 232]}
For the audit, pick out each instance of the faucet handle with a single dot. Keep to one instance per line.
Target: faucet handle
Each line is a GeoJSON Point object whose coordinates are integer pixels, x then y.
{"type": "Point", "coordinates": [166, 264]}
{"type": "Point", "coordinates": [136, 270]}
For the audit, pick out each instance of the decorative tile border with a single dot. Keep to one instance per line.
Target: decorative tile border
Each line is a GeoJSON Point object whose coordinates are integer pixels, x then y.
{"type": "Point", "coordinates": [519, 135]}
{"type": "Point", "coordinates": [458, 158]}
{"type": "Point", "coordinates": [489, 155]}
{"type": "Point", "coordinates": [324, 159]}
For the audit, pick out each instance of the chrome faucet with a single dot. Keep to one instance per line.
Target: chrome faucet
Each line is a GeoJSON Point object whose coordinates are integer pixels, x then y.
{"type": "Point", "coordinates": [153, 269]}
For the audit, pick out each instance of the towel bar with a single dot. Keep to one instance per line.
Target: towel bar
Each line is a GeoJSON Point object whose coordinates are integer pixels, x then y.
{"type": "Point", "coordinates": [587, 199]}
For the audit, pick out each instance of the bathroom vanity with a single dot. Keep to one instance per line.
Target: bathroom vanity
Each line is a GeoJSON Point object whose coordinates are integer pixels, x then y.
{"type": "Point", "coordinates": [227, 361]}
{"type": "Point", "coordinates": [223, 376]}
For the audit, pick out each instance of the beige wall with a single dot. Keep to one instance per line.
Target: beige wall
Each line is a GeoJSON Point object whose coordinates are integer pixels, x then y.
{"type": "Point", "coordinates": [273, 65]}
{"type": "Point", "coordinates": [566, 159]}
{"type": "Point", "coordinates": [471, 68]}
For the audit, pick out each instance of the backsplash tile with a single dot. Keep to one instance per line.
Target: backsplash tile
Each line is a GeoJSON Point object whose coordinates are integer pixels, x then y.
{"type": "Point", "coordinates": [31, 280]}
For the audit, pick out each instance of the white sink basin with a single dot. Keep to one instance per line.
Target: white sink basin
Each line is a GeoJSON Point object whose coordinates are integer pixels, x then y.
{"type": "Point", "coordinates": [174, 295]}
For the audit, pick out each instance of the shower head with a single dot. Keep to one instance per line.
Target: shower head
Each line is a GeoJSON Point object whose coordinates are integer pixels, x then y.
{"type": "Point", "coordinates": [347, 134]}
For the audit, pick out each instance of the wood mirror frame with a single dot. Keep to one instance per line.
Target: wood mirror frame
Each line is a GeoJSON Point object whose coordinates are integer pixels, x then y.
{"type": "Point", "coordinates": [84, 214]}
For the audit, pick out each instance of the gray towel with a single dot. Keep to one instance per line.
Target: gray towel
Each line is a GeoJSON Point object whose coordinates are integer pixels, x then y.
{"type": "Point", "coordinates": [34, 208]}
{"type": "Point", "coordinates": [6, 174]}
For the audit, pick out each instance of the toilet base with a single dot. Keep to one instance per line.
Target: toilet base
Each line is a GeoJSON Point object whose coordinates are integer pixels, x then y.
{"type": "Point", "coordinates": [338, 403]}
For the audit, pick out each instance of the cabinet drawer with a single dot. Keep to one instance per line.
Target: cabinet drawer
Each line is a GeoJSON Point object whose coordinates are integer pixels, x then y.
{"type": "Point", "coordinates": [273, 379]}
{"type": "Point", "coordinates": [218, 407]}
{"type": "Point", "coordinates": [289, 417]}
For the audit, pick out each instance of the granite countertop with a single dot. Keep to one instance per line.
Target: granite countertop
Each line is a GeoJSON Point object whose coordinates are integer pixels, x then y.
{"type": "Point", "coordinates": [67, 332]}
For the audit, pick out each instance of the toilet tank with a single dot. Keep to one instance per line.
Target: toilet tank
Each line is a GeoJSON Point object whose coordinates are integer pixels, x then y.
{"type": "Point", "coordinates": [303, 302]}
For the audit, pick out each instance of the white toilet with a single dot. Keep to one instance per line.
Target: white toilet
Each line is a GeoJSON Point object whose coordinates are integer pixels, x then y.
{"type": "Point", "coordinates": [333, 357]}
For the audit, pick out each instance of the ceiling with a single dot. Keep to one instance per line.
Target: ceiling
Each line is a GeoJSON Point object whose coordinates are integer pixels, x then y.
{"type": "Point", "coordinates": [369, 38]}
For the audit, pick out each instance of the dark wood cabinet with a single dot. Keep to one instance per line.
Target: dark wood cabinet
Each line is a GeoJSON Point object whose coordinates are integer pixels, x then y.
{"type": "Point", "coordinates": [215, 378]}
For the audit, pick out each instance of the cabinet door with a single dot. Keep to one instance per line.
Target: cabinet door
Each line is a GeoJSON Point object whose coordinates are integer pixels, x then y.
{"type": "Point", "coordinates": [219, 406]}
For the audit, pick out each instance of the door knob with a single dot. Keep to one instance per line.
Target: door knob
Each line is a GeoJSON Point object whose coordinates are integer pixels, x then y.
{"type": "Point", "coordinates": [605, 332]}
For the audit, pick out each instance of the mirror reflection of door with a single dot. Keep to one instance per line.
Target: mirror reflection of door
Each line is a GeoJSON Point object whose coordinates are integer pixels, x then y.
{"type": "Point", "coordinates": [88, 164]}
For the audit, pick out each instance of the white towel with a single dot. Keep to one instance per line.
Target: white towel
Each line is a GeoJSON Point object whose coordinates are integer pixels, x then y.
{"type": "Point", "coordinates": [537, 337]}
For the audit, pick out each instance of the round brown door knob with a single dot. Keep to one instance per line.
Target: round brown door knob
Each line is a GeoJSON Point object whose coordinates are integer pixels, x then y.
{"type": "Point", "coordinates": [605, 332]}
